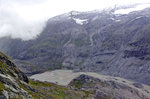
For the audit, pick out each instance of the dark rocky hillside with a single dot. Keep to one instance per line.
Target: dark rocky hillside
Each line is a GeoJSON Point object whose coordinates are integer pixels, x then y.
{"type": "Point", "coordinates": [11, 80]}
{"type": "Point", "coordinates": [101, 42]}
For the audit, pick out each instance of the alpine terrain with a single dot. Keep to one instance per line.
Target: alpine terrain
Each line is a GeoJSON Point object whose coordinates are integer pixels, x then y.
{"type": "Point", "coordinates": [14, 84]}
{"type": "Point", "coordinates": [97, 41]}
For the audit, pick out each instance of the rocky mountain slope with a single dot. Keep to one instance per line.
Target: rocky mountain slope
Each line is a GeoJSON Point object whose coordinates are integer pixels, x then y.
{"type": "Point", "coordinates": [14, 84]}
{"type": "Point", "coordinates": [11, 79]}
{"type": "Point", "coordinates": [99, 41]}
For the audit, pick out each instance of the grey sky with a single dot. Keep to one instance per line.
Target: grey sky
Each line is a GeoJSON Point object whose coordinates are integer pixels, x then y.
{"type": "Point", "coordinates": [25, 18]}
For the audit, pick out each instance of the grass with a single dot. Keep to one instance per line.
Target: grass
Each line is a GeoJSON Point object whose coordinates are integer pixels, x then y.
{"type": "Point", "coordinates": [4, 55]}
{"type": "Point", "coordinates": [2, 87]}
{"type": "Point", "coordinates": [57, 91]}
{"type": "Point", "coordinates": [87, 93]}
{"type": "Point", "coordinates": [78, 84]}
{"type": "Point", "coordinates": [2, 65]}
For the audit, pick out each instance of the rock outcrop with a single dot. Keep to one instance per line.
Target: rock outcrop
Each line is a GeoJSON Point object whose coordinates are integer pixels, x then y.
{"type": "Point", "coordinates": [107, 89]}
{"type": "Point", "coordinates": [12, 80]}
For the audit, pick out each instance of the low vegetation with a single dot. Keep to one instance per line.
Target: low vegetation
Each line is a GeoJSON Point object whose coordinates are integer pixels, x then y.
{"type": "Point", "coordinates": [56, 91]}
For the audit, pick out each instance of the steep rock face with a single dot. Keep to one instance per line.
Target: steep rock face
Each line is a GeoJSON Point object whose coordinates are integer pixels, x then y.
{"type": "Point", "coordinates": [11, 79]}
{"type": "Point", "coordinates": [101, 42]}
{"type": "Point", "coordinates": [11, 68]}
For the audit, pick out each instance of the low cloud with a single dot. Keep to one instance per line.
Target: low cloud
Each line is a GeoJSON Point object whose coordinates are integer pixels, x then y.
{"type": "Point", "coordinates": [26, 19]}
{"type": "Point", "coordinates": [13, 25]}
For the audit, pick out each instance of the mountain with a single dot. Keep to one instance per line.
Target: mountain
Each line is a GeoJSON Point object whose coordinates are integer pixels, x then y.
{"type": "Point", "coordinates": [97, 41]}
{"type": "Point", "coordinates": [14, 84]}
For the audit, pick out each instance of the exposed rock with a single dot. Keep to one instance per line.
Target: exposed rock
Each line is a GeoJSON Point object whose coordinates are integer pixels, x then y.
{"type": "Point", "coordinates": [12, 69]}
{"type": "Point", "coordinates": [138, 85]}
{"type": "Point", "coordinates": [11, 79]}
{"type": "Point", "coordinates": [104, 89]}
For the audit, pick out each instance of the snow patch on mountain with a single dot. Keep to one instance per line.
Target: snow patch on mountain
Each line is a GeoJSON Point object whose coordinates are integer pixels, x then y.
{"type": "Point", "coordinates": [80, 21]}
{"type": "Point", "coordinates": [128, 10]}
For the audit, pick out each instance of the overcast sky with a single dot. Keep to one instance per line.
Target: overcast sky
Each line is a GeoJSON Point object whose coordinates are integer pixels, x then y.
{"type": "Point", "coordinates": [25, 18]}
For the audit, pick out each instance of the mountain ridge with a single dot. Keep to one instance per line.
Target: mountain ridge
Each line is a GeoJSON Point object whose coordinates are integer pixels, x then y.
{"type": "Point", "coordinates": [110, 44]}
